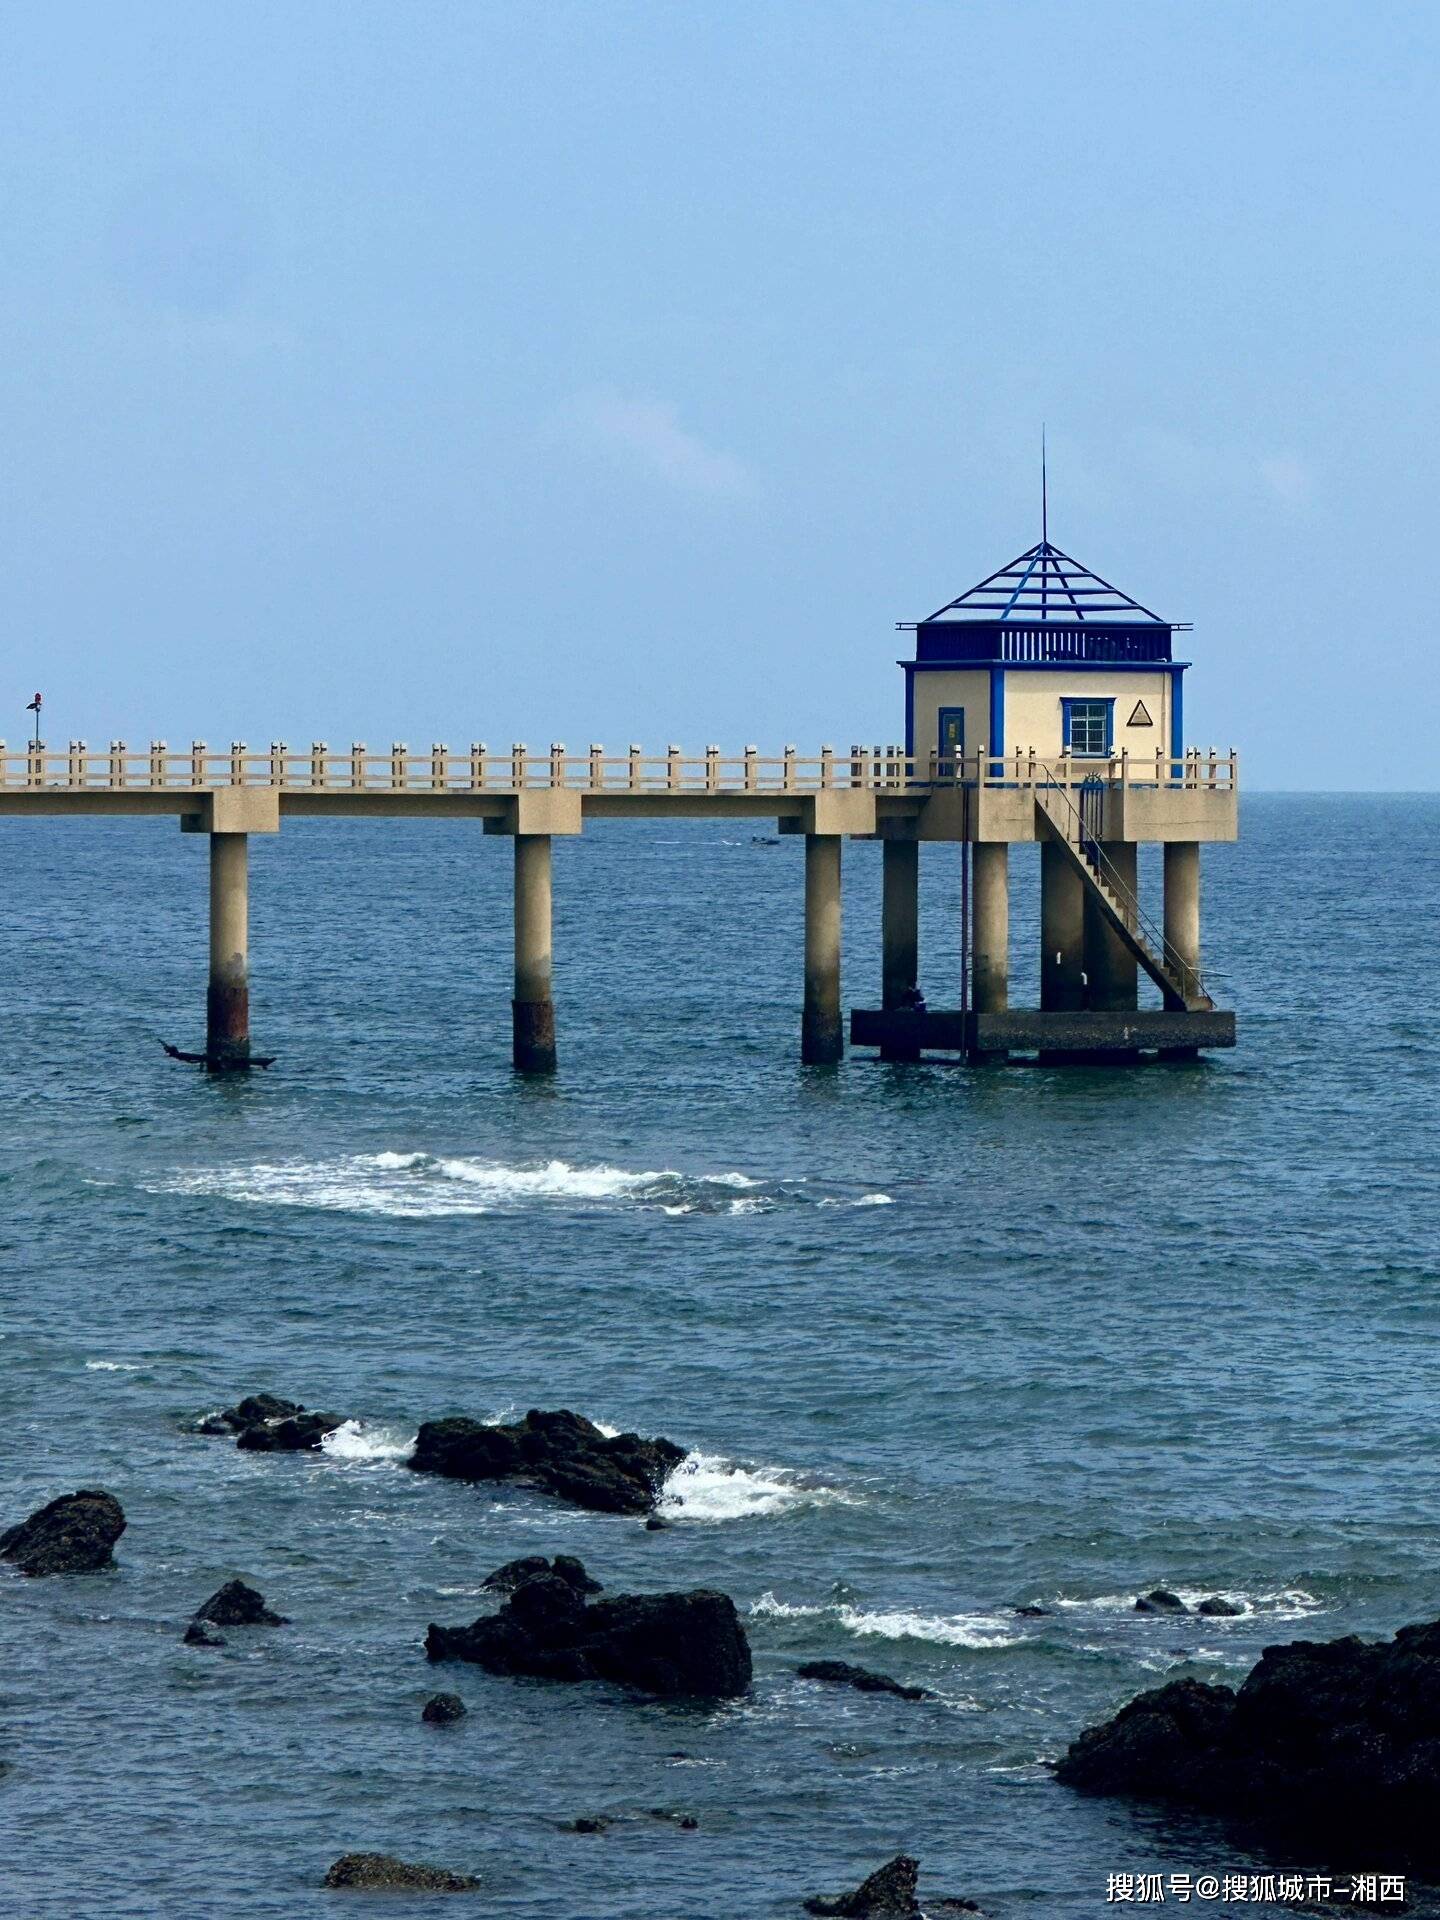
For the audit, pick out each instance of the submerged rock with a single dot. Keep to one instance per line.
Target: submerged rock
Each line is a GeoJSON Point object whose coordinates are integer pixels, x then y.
{"type": "Point", "coordinates": [679, 1644]}
{"type": "Point", "coordinates": [200, 1633]}
{"type": "Point", "coordinates": [1217, 1607]}
{"type": "Point", "coordinates": [1032, 1612]}
{"type": "Point", "coordinates": [588, 1823]}
{"type": "Point", "coordinates": [384, 1873]}
{"type": "Point", "coordinates": [264, 1423]}
{"type": "Point", "coordinates": [442, 1709]}
{"type": "Point", "coordinates": [841, 1673]}
{"type": "Point", "coordinates": [560, 1453]}
{"type": "Point", "coordinates": [564, 1566]}
{"type": "Point", "coordinates": [889, 1894]}
{"type": "Point", "coordinates": [237, 1604]}
{"type": "Point", "coordinates": [1160, 1600]}
{"type": "Point", "coordinates": [74, 1534]}
{"type": "Point", "coordinates": [1339, 1735]}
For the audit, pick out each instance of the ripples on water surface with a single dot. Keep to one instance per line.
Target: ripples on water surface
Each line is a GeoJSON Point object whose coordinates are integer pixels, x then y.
{"type": "Point", "coordinates": [943, 1342]}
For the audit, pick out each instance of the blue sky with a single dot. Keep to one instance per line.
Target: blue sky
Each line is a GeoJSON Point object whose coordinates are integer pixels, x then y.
{"type": "Point", "coordinates": [624, 372]}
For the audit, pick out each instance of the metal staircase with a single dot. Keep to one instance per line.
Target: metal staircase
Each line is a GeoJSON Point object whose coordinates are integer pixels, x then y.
{"type": "Point", "coordinates": [1065, 824]}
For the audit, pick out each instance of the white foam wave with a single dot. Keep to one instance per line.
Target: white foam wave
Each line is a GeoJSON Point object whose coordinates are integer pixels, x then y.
{"type": "Point", "coordinates": [863, 1200]}
{"type": "Point", "coordinates": [1288, 1603]}
{"type": "Point", "coordinates": [354, 1442]}
{"type": "Point", "coordinates": [974, 1630]}
{"type": "Point", "coordinates": [424, 1186]}
{"type": "Point", "coordinates": [112, 1366]}
{"type": "Point", "coordinates": [705, 1486]}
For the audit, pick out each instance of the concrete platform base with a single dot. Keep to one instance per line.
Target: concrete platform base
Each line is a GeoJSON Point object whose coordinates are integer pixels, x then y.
{"type": "Point", "coordinates": [1074, 1036]}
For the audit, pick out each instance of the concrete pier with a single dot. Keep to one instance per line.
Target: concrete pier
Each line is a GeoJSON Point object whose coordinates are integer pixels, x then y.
{"type": "Point", "coordinates": [1182, 905]}
{"type": "Point", "coordinates": [1062, 932]}
{"type": "Point", "coordinates": [899, 932]}
{"type": "Point", "coordinates": [990, 945]}
{"type": "Point", "coordinates": [227, 1002]}
{"type": "Point", "coordinates": [533, 1008]}
{"type": "Point", "coordinates": [822, 1034]}
{"type": "Point", "coordinates": [1110, 966]}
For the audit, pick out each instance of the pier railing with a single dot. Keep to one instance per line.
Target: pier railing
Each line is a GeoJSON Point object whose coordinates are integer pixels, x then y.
{"type": "Point", "coordinates": [319, 768]}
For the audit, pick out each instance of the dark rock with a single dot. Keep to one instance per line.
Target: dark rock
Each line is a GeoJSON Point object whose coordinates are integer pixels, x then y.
{"type": "Point", "coordinates": [441, 1709]}
{"type": "Point", "coordinates": [200, 1633]}
{"type": "Point", "coordinates": [1219, 1608]}
{"type": "Point", "coordinates": [1033, 1613]}
{"type": "Point", "coordinates": [237, 1604]}
{"type": "Point", "coordinates": [297, 1433]}
{"type": "Point", "coordinates": [383, 1872]}
{"type": "Point", "coordinates": [686, 1821]}
{"type": "Point", "coordinates": [656, 1523]}
{"type": "Point", "coordinates": [253, 1411]}
{"type": "Point", "coordinates": [565, 1566]}
{"type": "Point", "coordinates": [560, 1453]}
{"type": "Point", "coordinates": [74, 1534]}
{"type": "Point", "coordinates": [889, 1894]}
{"type": "Point", "coordinates": [587, 1823]}
{"type": "Point", "coordinates": [1339, 1737]}
{"type": "Point", "coordinates": [680, 1644]}
{"type": "Point", "coordinates": [842, 1674]}
{"type": "Point", "coordinates": [1160, 1600]}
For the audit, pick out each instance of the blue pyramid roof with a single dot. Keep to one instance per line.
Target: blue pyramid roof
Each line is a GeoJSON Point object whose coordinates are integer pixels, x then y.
{"type": "Point", "coordinates": [1045, 586]}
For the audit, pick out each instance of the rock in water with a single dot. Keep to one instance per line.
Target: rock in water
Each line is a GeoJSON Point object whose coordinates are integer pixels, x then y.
{"type": "Point", "coordinates": [564, 1566]}
{"type": "Point", "coordinates": [74, 1534]}
{"type": "Point", "coordinates": [442, 1709]}
{"type": "Point", "coordinates": [1340, 1736]}
{"type": "Point", "coordinates": [1217, 1607]}
{"type": "Point", "coordinates": [678, 1644]}
{"type": "Point", "coordinates": [264, 1423]}
{"type": "Point", "coordinates": [237, 1604]}
{"type": "Point", "coordinates": [889, 1894]}
{"type": "Point", "coordinates": [1160, 1600]}
{"type": "Point", "coordinates": [200, 1633]}
{"type": "Point", "coordinates": [384, 1873]}
{"type": "Point", "coordinates": [841, 1673]}
{"type": "Point", "coordinates": [561, 1453]}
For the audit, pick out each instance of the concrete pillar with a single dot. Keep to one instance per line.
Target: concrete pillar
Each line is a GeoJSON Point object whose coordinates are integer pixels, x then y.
{"type": "Point", "coordinates": [533, 1009]}
{"type": "Point", "coordinates": [1062, 932]}
{"type": "Point", "coordinates": [227, 1002]}
{"type": "Point", "coordinates": [822, 1040]}
{"type": "Point", "coordinates": [1182, 908]}
{"type": "Point", "coordinates": [990, 939]}
{"type": "Point", "coordinates": [899, 921]}
{"type": "Point", "coordinates": [1112, 969]}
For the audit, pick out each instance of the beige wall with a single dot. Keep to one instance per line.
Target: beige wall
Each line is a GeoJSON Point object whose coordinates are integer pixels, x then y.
{"type": "Point", "coordinates": [1032, 707]}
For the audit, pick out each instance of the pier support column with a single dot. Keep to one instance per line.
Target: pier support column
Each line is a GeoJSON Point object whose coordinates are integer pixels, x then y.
{"type": "Point", "coordinates": [1062, 932]}
{"type": "Point", "coordinates": [1111, 967]}
{"type": "Point", "coordinates": [822, 1041]}
{"type": "Point", "coordinates": [533, 1009]}
{"type": "Point", "coordinates": [990, 944]}
{"type": "Point", "coordinates": [227, 1003]}
{"type": "Point", "coordinates": [899, 932]}
{"type": "Point", "coordinates": [1182, 907]}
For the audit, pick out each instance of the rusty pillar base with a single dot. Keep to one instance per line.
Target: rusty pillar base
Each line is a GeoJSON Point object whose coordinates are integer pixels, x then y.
{"type": "Point", "coordinates": [822, 1038]}
{"type": "Point", "coordinates": [534, 1035]}
{"type": "Point", "coordinates": [227, 1029]}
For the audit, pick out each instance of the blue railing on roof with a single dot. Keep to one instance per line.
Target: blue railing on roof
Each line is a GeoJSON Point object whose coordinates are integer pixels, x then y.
{"type": "Point", "coordinates": [1009, 641]}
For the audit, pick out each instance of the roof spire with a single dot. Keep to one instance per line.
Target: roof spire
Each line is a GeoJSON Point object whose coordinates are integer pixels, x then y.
{"type": "Point", "coordinates": [1044, 492]}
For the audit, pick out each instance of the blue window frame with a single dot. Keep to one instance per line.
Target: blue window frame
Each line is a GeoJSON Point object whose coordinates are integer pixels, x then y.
{"type": "Point", "coordinates": [1089, 728]}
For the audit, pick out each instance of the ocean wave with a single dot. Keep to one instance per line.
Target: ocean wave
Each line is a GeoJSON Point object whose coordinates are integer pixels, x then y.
{"type": "Point", "coordinates": [1288, 1603]}
{"type": "Point", "coordinates": [428, 1186]}
{"type": "Point", "coordinates": [112, 1366]}
{"type": "Point", "coordinates": [358, 1444]}
{"type": "Point", "coordinates": [977, 1631]}
{"type": "Point", "coordinates": [705, 1486]}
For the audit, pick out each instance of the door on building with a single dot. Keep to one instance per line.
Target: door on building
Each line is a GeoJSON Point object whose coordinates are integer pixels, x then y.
{"type": "Point", "coordinates": [952, 736]}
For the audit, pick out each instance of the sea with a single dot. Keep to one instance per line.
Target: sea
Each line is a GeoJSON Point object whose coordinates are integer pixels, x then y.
{"type": "Point", "coordinates": [942, 1342]}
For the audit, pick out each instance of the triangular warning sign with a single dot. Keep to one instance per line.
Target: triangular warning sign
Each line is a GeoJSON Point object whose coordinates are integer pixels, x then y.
{"type": "Point", "coordinates": [1141, 716]}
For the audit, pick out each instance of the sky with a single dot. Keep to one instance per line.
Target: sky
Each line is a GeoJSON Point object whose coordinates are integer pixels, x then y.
{"type": "Point", "coordinates": [624, 372]}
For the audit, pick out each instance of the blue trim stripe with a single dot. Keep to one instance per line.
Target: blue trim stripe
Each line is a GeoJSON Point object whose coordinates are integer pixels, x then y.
{"type": "Point", "coordinates": [997, 713]}
{"type": "Point", "coordinates": [1177, 719]}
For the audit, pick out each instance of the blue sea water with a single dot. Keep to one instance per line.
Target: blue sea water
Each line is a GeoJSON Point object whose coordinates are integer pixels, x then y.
{"type": "Point", "coordinates": [943, 1341]}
